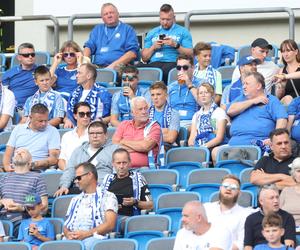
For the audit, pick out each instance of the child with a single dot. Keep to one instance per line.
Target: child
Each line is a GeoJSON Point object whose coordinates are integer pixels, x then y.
{"type": "Point", "coordinates": [47, 96]}
{"type": "Point", "coordinates": [272, 231]}
{"type": "Point", "coordinates": [36, 229]}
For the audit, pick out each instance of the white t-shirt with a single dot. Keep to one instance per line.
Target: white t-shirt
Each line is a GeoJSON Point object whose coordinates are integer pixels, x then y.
{"type": "Point", "coordinates": [218, 236]}
{"type": "Point", "coordinates": [8, 106]}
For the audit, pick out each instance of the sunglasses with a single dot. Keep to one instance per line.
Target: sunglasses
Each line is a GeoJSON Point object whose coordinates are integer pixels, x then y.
{"type": "Point", "coordinates": [71, 54]}
{"type": "Point", "coordinates": [28, 55]}
{"type": "Point", "coordinates": [83, 114]}
{"type": "Point", "coordinates": [129, 77]}
{"type": "Point", "coordinates": [79, 177]}
{"type": "Point", "coordinates": [184, 67]}
{"type": "Point", "coordinates": [230, 186]}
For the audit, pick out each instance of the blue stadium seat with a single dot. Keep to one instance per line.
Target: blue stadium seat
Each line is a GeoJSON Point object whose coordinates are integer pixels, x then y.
{"type": "Point", "coordinates": [172, 76]}
{"type": "Point", "coordinates": [106, 77]}
{"type": "Point", "coordinates": [161, 244]}
{"type": "Point", "coordinates": [204, 190]}
{"type": "Point", "coordinates": [226, 72]}
{"type": "Point", "coordinates": [112, 244]}
{"type": "Point", "coordinates": [62, 245]}
{"type": "Point", "coordinates": [2, 62]}
{"type": "Point", "coordinates": [15, 246]}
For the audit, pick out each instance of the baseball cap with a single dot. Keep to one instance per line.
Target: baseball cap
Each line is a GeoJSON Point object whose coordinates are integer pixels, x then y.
{"type": "Point", "coordinates": [295, 164]}
{"type": "Point", "coordinates": [247, 60]}
{"type": "Point", "coordinates": [32, 200]}
{"type": "Point", "coordinates": [262, 43]}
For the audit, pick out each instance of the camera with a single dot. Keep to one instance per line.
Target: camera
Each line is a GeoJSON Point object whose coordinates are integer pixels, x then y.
{"type": "Point", "coordinates": [162, 36]}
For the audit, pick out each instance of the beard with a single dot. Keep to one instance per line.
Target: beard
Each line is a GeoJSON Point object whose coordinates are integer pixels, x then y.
{"type": "Point", "coordinates": [228, 201]}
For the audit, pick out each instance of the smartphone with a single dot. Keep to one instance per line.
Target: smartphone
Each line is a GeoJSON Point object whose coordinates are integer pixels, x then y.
{"type": "Point", "coordinates": [162, 36]}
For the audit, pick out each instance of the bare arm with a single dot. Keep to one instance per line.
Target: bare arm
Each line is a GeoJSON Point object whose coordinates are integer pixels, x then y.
{"type": "Point", "coordinates": [9, 151]}
{"type": "Point", "coordinates": [4, 118]}
{"type": "Point", "coordinates": [169, 136]}
{"type": "Point", "coordinates": [61, 164]}
{"type": "Point", "coordinates": [290, 122]}
{"type": "Point", "coordinates": [50, 161]}
{"type": "Point", "coordinates": [45, 204]}
{"type": "Point", "coordinates": [289, 243]}
{"type": "Point", "coordinates": [143, 146]}
{"type": "Point", "coordinates": [248, 247]}
{"type": "Point", "coordinates": [56, 61]}
{"type": "Point", "coordinates": [87, 52]}
{"type": "Point", "coordinates": [114, 120]}
{"type": "Point", "coordinates": [125, 59]}
{"type": "Point", "coordinates": [281, 123]}
{"type": "Point", "coordinates": [55, 121]}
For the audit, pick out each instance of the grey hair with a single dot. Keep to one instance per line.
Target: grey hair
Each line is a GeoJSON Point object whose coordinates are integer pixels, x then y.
{"type": "Point", "coordinates": [137, 99]}
{"type": "Point", "coordinates": [198, 208]}
{"type": "Point", "coordinates": [22, 157]}
{"type": "Point", "coordinates": [267, 187]}
{"type": "Point", "coordinates": [25, 46]}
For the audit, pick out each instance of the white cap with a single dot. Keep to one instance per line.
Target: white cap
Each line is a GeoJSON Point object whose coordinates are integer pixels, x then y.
{"type": "Point", "coordinates": [295, 164]}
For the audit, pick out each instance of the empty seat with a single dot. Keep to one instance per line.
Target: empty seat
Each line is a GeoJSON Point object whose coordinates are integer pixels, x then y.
{"type": "Point", "coordinates": [15, 246]}
{"type": "Point", "coordinates": [172, 76]}
{"type": "Point", "coordinates": [161, 244]}
{"type": "Point", "coordinates": [60, 206]}
{"type": "Point", "coordinates": [113, 244]}
{"type": "Point", "coordinates": [245, 175]}
{"type": "Point", "coordinates": [188, 154]}
{"type": "Point", "coordinates": [106, 77]}
{"type": "Point", "coordinates": [150, 74]}
{"type": "Point", "coordinates": [62, 245]}
{"type": "Point", "coordinates": [206, 175]}
{"type": "Point", "coordinates": [226, 73]}
{"type": "Point", "coordinates": [52, 181]}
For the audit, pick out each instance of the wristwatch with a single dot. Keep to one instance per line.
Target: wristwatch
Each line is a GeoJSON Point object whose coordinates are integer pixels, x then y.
{"type": "Point", "coordinates": [177, 46]}
{"type": "Point", "coordinates": [191, 87]}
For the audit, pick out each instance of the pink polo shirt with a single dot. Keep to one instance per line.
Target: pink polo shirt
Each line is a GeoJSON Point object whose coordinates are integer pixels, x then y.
{"type": "Point", "coordinates": [127, 130]}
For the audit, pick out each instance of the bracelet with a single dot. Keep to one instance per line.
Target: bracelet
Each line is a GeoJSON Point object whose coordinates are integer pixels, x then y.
{"type": "Point", "coordinates": [177, 46]}
{"type": "Point", "coordinates": [191, 87]}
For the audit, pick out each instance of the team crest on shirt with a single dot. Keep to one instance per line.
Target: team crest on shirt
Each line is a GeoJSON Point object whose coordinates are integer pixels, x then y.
{"type": "Point", "coordinates": [118, 35]}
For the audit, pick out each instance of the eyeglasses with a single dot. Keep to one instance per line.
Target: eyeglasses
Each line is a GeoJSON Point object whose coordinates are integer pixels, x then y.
{"type": "Point", "coordinates": [79, 177]}
{"type": "Point", "coordinates": [83, 114]}
{"type": "Point", "coordinates": [184, 67]}
{"type": "Point", "coordinates": [71, 54]}
{"type": "Point", "coordinates": [96, 133]}
{"type": "Point", "coordinates": [28, 55]}
{"type": "Point", "coordinates": [230, 186]}
{"type": "Point", "coordinates": [129, 77]}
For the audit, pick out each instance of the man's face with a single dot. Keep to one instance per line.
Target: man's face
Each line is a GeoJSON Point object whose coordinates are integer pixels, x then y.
{"type": "Point", "coordinates": [130, 79]}
{"type": "Point", "coordinates": [140, 111]}
{"type": "Point", "coordinates": [190, 68]}
{"type": "Point", "coordinates": [269, 200]}
{"type": "Point", "coordinates": [259, 53]}
{"type": "Point", "coordinates": [97, 137]}
{"type": "Point", "coordinates": [43, 82]}
{"type": "Point", "coordinates": [251, 87]}
{"type": "Point", "coordinates": [189, 218]}
{"type": "Point", "coordinates": [281, 146]}
{"type": "Point", "coordinates": [158, 97]}
{"type": "Point", "coordinates": [273, 234]}
{"type": "Point", "coordinates": [82, 75]}
{"type": "Point", "coordinates": [26, 57]}
{"type": "Point", "coordinates": [204, 58]}
{"type": "Point", "coordinates": [39, 122]}
{"type": "Point", "coordinates": [82, 178]}
{"type": "Point", "coordinates": [83, 116]}
{"type": "Point", "coordinates": [166, 19]}
{"type": "Point", "coordinates": [248, 68]}
{"type": "Point", "coordinates": [110, 16]}
{"type": "Point", "coordinates": [229, 192]}
{"type": "Point", "coordinates": [121, 164]}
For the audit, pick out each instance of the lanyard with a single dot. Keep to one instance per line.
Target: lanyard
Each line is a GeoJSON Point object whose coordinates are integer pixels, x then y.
{"type": "Point", "coordinates": [115, 31]}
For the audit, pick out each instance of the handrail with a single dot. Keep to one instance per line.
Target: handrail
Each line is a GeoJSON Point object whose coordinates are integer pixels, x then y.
{"type": "Point", "coordinates": [245, 11]}
{"type": "Point", "coordinates": [87, 16]}
{"type": "Point", "coordinates": [37, 17]}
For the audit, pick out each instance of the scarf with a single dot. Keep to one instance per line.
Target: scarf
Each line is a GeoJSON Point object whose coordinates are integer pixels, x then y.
{"type": "Point", "coordinates": [211, 76]}
{"type": "Point", "coordinates": [48, 99]}
{"type": "Point", "coordinates": [167, 112]}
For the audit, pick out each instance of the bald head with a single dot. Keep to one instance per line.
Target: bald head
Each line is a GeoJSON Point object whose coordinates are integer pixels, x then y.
{"type": "Point", "coordinates": [22, 157]}
{"type": "Point", "coordinates": [196, 208]}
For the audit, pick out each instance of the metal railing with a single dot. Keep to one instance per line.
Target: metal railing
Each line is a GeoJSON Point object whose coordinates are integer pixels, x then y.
{"type": "Point", "coordinates": [37, 17]}
{"type": "Point", "coordinates": [88, 16]}
{"type": "Point", "coordinates": [290, 12]}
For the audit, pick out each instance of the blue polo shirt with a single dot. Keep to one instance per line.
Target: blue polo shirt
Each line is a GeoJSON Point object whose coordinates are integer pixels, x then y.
{"type": "Point", "coordinates": [20, 82]}
{"type": "Point", "coordinates": [294, 109]}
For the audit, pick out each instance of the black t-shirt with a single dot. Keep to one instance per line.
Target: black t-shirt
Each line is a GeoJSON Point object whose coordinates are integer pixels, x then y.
{"type": "Point", "coordinates": [123, 188]}
{"type": "Point", "coordinates": [253, 227]}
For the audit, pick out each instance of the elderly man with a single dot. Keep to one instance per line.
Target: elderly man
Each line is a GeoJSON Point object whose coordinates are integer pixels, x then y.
{"type": "Point", "coordinates": [269, 201]}
{"type": "Point", "coordinates": [120, 108]}
{"type": "Point", "coordinates": [139, 136]}
{"type": "Point", "coordinates": [164, 43]}
{"type": "Point", "coordinates": [259, 49]}
{"type": "Point", "coordinates": [226, 211]}
{"type": "Point", "coordinates": [198, 233]}
{"type": "Point", "coordinates": [38, 137]}
{"type": "Point", "coordinates": [97, 150]}
{"type": "Point", "coordinates": [89, 91]}
{"type": "Point", "coordinates": [19, 79]}
{"type": "Point", "coordinates": [113, 43]}
{"type": "Point", "coordinates": [92, 214]}
{"type": "Point", "coordinates": [275, 167]}
{"type": "Point", "coordinates": [254, 114]}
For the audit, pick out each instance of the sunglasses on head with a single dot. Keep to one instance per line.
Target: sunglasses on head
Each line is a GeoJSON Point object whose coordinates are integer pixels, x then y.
{"type": "Point", "coordinates": [79, 177]}
{"type": "Point", "coordinates": [28, 55]}
{"type": "Point", "coordinates": [69, 54]}
{"type": "Point", "coordinates": [129, 77]}
{"type": "Point", "coordinates": [184, 67]}
{"type": "Point", "coordinates": [83, 114]}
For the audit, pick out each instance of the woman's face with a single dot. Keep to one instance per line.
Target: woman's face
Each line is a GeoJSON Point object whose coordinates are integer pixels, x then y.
{"type": "Point", "coordinates": [289, 54]}
{"type": "Point", "coordinates": [69, 56]}
{"type": "Point", "coordinates": [204, 96]}
{"type": "Point", "coordinates": [297, 175]}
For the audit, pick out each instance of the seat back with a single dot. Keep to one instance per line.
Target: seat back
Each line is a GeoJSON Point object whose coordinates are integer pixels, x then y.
{"type": "Point", "coordinates": [52, 181]}
{"type": "Point", "coordinates": [2, 62]}
{"type": "Point", "coordinates": [62, 245]}
{"type": "Point", "coordinates": [113, 90]}
{"type": "Point", "coordinates": [245, 175]}
{"type": "Point", "coordinates": [161, 176]}
{"type": "Point", "coordinates": [240, 152]}
{"type": "Point", "coordinates": [60, 206]}
{"type": "Point", "coordinates": [8, 228]}
{"type": "Point", "coordinates": [161, 244]}
{"type": "Point", "coordinates": [110, 132]}
{"type": "Point", "coordinates": [41, 58]}
{"type": "Point", "coordinates": [108, 76]}
{"type": "Point", "coordinates": [206, 175]}
{"type": "Point", "coordinates": [15, 246]}
{"type": "Point", "coordinates": [226, 73]}
{"type": "Point", "coordinates": [246, 198]}
{"type": "Point", "coordinates": [113, 244]}
{"type": "Point", "coordinates": [235, 166]}
{"type": "Point", "coordinates": [172, 76]}
{"type": "Point", "coordinates": [182, 137]}
{"type": "Point", "coordinates": [62, 131]}
{"type": "Point", "coordinates": [58, 225]}
{"type": "Point", "coordinates": [204, 190]}
{"type": "Point", "coordinates": [150, 74]}
{"type": "Point", "coordinates": [4, 137]}
{"type": "Point", "coordinates": [188, 154]}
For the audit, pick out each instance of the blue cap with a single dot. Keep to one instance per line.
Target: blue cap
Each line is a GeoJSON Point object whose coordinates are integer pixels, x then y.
{"type": "Point", "coordinates": [32, 200]}
{"type": "Point", "coordinates": [247, 60]}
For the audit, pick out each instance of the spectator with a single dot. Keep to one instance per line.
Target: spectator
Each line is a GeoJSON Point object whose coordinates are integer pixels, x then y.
{"type": "Point", "coordinates": [92, 214]}
{"type": "Point", "coordinates": [140, 137]}
{"type": "Point", "coordinates": [47, 96]}
{"type": "Point", "coordinates": [89, 91]}
{"type": "Point", "coordinates": [64, 77]}
{"type": "Point", "coordinates": [275, 167]}
{"type": "Point", "coordinates": [294, 119]}
{"type": "Point", "coordinates": [227, 211]}
{"type": "Point", "coordinates": [36, 229]}
{"type": "Point", "coordinates": [269, 201]}
{"type": "Point", "coordinates": [15, 186]}
{"type": "Point", "coordinates": [39, 138]}
{"type": "Point", "coordinates": [74, 138]}
{"type": "Point", "coordinates": [204, 72]}
{"type": "Point", "coordinates": [161, 111]}
{"type": "Point", "coordinates": [247, 64]}
{"type": "Point", "coordinates": [97, 150]}
{"type": "Point", "coordinates": [286, 90]}
{"type": "Point", "coordinates": [183, 93]}
{"type": "Point", "coordinates": [209, 123]}
{"type": "Point", "coordinates": [112, 43]}
{"type": "Point", "coordinates": [290, 196]}
{"type": "Point", "coordinates": [272, 231]}
{"type": "Point", "coordinates": [130, 187]}
{"type": "Point", "coordinates": [7, 108]}
{"type": "Point", "coordinates": [254, 114]}
{"type": "Point", "coordinates": [198, 233]}
{"type": "Point", "coordinates": [260, 49]}
{"type": "Point", "coordinates": [2, 232]}
{"type": "Point", "coordinates": [120, 108]}
{"type": "Point", "coordinates": [19, 79]}
{"type": "Point", "coordinates": [164, 43]}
